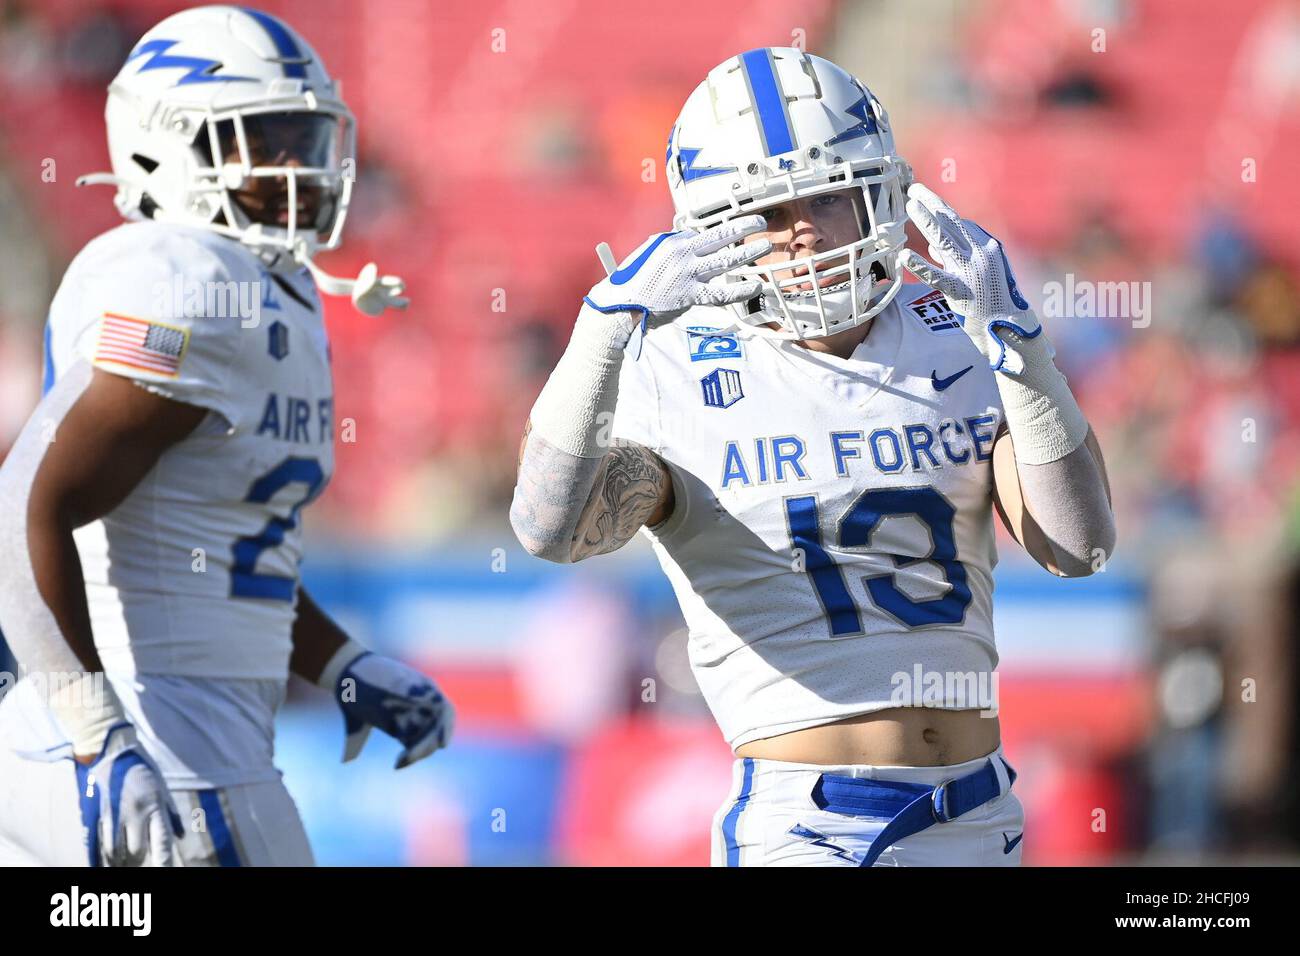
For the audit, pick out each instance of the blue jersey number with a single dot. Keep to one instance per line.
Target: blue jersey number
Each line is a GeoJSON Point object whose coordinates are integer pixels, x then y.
{"type": "Point", "coordinates": [244, 579]}
{"type": "Point", "coordinates": [855, 531]}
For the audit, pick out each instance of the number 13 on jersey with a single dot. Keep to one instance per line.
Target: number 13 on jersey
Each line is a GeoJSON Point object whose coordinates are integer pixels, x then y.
{"type": "Point", "coordinates": [855, 530]}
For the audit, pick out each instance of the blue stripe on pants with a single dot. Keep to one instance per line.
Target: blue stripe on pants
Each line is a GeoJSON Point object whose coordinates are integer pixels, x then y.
{"type": "Point", "coordinates": [222, 839]}
{"type": "Point", "coordinates": [733, 815]}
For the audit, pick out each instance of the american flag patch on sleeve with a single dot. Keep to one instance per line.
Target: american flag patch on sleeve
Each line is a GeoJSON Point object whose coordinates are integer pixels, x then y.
{"type": "Point", "coordinates": [141, 344]}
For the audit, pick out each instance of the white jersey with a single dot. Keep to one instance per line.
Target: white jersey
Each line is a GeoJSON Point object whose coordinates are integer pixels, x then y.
{"type": "Point", "coordinates": [195, 573]}
{"type": "Point", "coordinates": [831, 544]}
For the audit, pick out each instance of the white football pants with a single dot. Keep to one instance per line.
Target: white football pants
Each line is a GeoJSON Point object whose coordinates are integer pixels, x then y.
{"type": "Point", "coordinates": [777, 814]}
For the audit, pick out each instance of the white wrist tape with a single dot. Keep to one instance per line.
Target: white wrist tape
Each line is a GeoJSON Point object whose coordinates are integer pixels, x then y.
{"type": "Point", "coordinates": [575, 412]}
{"type": "Point", "coordinates": [87, 708]}
{"type": "Point", "coordinates": [1046, 422]}
{"type": "Point", "coordinates": [345, 655]}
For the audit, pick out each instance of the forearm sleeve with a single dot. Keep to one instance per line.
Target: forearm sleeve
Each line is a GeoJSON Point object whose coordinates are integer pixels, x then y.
{"type": "Point", "coordinates": [1061, 482]}
{"type": "Point", "coordinates": [569, 433]}
{"type": "Point", "coordinates": [1068, 501]}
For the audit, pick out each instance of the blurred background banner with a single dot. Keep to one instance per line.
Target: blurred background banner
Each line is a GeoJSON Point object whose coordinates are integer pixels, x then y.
{"type": "Point", "coordinates": [1137, 157]}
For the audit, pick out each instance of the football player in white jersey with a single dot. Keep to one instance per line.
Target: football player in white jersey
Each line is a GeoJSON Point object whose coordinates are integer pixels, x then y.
{"type": "Point", "coordinates": [815, 450]}
{"type": "Point", "coordinates": [150, 511]}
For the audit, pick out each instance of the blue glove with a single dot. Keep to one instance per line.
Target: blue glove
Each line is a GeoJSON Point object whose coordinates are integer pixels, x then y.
{"type": "Point", "coordinates": [128, 814]}
{"type": "Point", "coordinates": [376, 691]}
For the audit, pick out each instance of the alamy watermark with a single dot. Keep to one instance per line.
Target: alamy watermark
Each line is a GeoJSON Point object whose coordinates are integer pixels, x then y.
{"type": "Point", "coordinates": [950, 690]}
{"type": "Point", "coordinates": [1085, 299]}
{"type": "Point", "coordinates": [80, 689]}
{"type": "Point", "coordinates": [192, 299]}
{"type": "Point", "coordinates": [133, 911]}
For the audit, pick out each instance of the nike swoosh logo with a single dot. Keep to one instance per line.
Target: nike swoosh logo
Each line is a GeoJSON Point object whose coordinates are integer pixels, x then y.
{"type": "Point", "coordinates": [1011, 844]}
{"type": "Point", "coordinates": [941, 383]}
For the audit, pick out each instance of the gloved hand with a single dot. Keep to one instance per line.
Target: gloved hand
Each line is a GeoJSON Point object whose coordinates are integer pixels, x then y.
{"type": "Point", "coordinates": [671, 272]}
{"type": "Point", "coordinates": [376, 691]}
{"type": "Point", "coordinates": [372, 293]}
{"type": "Point", "coordinates": [974, 276]}
{"type": "Point", "coordinates": [129, 816]}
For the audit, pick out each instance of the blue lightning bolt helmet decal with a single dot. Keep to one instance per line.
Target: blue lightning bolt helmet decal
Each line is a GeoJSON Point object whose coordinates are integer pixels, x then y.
{"type": "Point", "coordinates": [201, 70]}
{"type": "Point", "coordinates": [861, 110]}
{"type": "Point", "coordinates": [686, 160]}
{"type": "Point", "coordinates": [689, 172]}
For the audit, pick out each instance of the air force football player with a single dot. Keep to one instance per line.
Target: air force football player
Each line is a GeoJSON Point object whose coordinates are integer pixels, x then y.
{"type": "Point", "coordinates": [150, 512]}
{"type": "Point", "coordinates": [815, 450]}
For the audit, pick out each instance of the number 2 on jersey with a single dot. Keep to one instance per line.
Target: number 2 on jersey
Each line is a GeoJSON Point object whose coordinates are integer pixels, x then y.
{"type": "Point", "coordinates": [855, 531]}
{"type": "Point", "coordinates": [244, 579]}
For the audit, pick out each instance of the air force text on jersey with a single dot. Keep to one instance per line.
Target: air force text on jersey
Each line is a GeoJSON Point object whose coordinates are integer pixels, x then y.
{"type": "Point", "coordinates": [890, 450]}
{"type": "Point", "coordinates": [300, 421]}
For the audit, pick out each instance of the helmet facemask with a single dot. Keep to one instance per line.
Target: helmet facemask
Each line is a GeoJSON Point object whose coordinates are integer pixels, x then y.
{"type": "Point", "coordinates": [834, 289]}
{"type": "Point", "coordinates": [276, 179]}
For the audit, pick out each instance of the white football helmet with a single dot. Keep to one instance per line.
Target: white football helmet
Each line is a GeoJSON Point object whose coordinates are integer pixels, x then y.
{"type": "Point", "coordinates": [213, 102]}
{"type": "Point", "coordinates": [777, 124]}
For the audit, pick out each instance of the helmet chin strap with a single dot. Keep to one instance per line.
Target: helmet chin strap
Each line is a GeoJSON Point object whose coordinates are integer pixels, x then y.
{"type": "Point", "coordinates": [370, 292]}
{"type": "Point", "coordinates": [104, 179]}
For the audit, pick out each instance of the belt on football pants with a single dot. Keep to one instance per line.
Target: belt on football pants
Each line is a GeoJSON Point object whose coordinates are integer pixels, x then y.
{"type": "Point", "coordinates": [910, 807]}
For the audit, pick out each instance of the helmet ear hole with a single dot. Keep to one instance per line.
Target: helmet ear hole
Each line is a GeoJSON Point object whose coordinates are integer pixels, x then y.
{"type": "Point", "coordinates": [203, 147]}
{"type": "Point", "coordinates": [147, 206]}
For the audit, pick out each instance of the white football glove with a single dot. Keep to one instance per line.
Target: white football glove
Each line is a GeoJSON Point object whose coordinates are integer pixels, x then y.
{"type": "Point", "coordinates": [372, 293]}
{"type": "Point", "coordinates": [974, 276]}
{"type": "Point", "coordinates": [376, 691]}
{"type": "Point", "coordinates": [129, 816]}
{"type": "Point", "coordinates": [671, 272]}
{"type": "Point", "coordinates": [1045, 420]}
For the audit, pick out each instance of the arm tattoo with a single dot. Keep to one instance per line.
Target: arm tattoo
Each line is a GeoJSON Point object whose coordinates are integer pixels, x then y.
{"type": "Point", "coordinates": [630, 487]}
{"type": "Point", "coordinates": [568, 508]}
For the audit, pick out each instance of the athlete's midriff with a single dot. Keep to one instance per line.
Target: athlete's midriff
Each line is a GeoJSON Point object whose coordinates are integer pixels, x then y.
{"type": "Point", "coordinates": [898, 737]}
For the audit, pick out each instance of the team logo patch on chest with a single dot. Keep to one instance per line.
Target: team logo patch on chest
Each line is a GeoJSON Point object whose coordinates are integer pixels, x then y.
{"type": "Point", "coordinates": [708, 343]}
{"type": "Point", "coordinates": [278, 340]}
{"type": "Point", "coordinates": [722, 388]}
